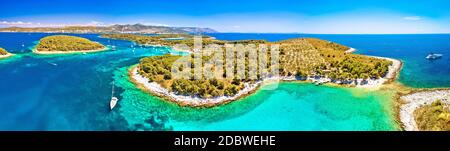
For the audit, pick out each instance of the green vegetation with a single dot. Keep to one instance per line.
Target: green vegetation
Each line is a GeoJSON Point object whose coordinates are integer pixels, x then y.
{"type": "Point", "coordinates": [298, 57]}
{"type": "Point", "coordinates": [310, 56]}
{"type": "Point", "coordinates": [3, 51]}
{"type": "Point", "coordinates": [434, 117]}
{"type": "Point", "coordinates": [158, 69]}
{"type": "Point", "coordinates": [67, 43]}
{"type": "Point", "coordinates": [188, 39]}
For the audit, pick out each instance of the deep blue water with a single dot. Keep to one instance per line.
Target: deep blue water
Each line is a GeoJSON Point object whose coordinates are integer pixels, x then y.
{"type": "Point", "coordinates": [72, 92]}
{"type": "Point", "coordinates": [61, 92]}
{"type": "Point", "coordinates": [411, 49]}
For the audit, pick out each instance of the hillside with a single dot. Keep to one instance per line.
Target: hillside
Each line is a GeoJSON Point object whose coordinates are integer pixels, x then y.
{"type": "Point", "coordinates": [136, 28]}
{"type": "Point", "coordinates": [310, 56]}
{"type": "Point", "coordinates": [434, 117]}
{"type": "Point", "coordinates": [140, 28]}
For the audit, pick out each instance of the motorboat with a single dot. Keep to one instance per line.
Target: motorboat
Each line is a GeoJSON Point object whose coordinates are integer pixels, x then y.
{"type": "Point", "coordinates": [433, 56]}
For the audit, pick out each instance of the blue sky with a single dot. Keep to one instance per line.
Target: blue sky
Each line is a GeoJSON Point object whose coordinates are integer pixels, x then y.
{"type": "Point", "coordinates": [277, 16]}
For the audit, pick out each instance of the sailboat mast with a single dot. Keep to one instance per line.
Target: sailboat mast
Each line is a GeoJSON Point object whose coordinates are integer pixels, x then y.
{"type": "Point", "coordinates": [112, 95]}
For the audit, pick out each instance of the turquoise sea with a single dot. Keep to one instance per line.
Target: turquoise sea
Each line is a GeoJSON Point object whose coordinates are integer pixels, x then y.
{"type": "Point", "coordinates": [72, 92]}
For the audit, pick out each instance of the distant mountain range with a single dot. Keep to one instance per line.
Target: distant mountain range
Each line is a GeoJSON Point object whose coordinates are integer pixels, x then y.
{"type": "Point", "coordinates": [136, 28]}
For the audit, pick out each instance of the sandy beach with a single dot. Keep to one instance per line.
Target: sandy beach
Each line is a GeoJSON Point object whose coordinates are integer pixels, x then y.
{"type": "Point", "coordinates": [416, 100]}
{"type": "Point", "coordinates": [6, 56]}
{"type": "Point", "coordinates": [391, 75]}
{"type": "Point", "coordinates": [68, 52]}
{"type": "Point", "coordinates": [351, 50]}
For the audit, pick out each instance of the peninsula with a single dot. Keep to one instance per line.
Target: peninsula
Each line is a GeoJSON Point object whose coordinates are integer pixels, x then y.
{"type": "Point", "coordinates": [427, 110]}
{"type": "Point", "coordinates": [170, 40]}
{"type": "Point", "coordinates": [4, 53]}
{"type": "Point", "coordinates": [62, 44]}
{"type": "Point", "coordinates": [301, 59]}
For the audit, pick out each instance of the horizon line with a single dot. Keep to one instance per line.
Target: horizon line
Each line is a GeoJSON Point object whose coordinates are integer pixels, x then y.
{"type": "Point", "coordinates": [231, 32]}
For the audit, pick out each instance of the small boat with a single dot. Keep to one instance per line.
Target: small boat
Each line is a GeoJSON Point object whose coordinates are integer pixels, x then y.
{"type": "Point", "coordinates": [114, 99]}
{"type": "Point", "coordinates": [52, 63]}
{"type": "Point", "coordinates": [433, 56]}
{"type": "Point", "coordinates": [317, 83]}
{"type": "Point", "coordinates": [113, 47]}
{"type": "Point", "coordinates": [113, 102]}
{"type": "Point", "coordinates": [84, 53]}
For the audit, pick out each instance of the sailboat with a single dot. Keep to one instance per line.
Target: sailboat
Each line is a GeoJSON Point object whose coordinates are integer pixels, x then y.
{"type": "Point", "coordinates": [52, 63]}
{"type": "Point", "coordinates": [114, 100]}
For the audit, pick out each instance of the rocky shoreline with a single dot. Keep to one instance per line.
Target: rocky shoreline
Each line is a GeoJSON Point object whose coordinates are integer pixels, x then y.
{"type": "Point", "coordinates": [6, 56]}
{"type": "Point", "coordinates": [68, 52]}
{"type": "Point", "coordinates": [416, 100]}
{"type": "Point", "coordinates": [193, 101]}
{"type": "Point", "coordinates": [196, 101]}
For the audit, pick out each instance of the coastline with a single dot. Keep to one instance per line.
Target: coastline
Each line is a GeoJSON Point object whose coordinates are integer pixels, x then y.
{"type": "Point", "coordinates": [414, 101]}
{"type": "Point", "coordinates": [153, 45]}
{"type": "Point", "coordinates": [390, 76]}
{"type": "Point", "coordinates": [171, 47]}
{"type": "Point", "coordinates": [351, 50]}
{"type": "Point", "coordinates": [194, 101]}
{"type": "Point", "coordinates": [6, 56]}
{"type": "Point", "coordinates": [35, 51]}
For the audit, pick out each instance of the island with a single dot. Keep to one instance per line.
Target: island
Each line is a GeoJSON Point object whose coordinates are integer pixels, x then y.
{"type": "Point", "coordinates": [169, 40]}
{"type": "Point", "coordinates": [63, 44]}
{"type": "Point", "coordinates": [427, 110]}
{"type": "Point", "coordinates": [300, 59]}
{"type": "Point", "coordinates": [4, 54]}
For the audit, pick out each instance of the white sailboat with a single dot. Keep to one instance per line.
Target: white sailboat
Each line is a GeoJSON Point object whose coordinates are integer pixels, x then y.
{"type": "Point", "coordinates": [114, 100]}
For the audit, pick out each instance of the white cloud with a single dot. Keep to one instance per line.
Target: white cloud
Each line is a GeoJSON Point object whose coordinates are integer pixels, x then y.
{"type": "Point", "coordinates": [413, 18]}
{"type": "Point", "coordinates": [37, 24]}
{"type": "Point", "coordinates": [236, 26]}
{"type": "Point", "coordinates": [15, 23]}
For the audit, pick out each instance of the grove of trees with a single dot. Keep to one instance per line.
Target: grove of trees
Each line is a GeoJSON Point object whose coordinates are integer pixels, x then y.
{"type": "Point", "coordinates": [434, 117]}
{"type": "Point", "coordinates": [300, 57]}
{"type": "Point", "coordinates": [67, 43]}
{"type": "Point", "coordinates": [3, 51]}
